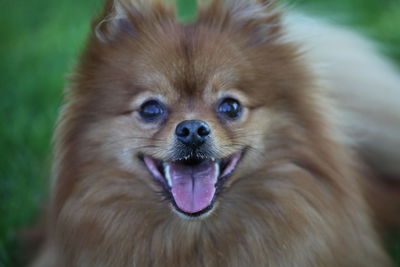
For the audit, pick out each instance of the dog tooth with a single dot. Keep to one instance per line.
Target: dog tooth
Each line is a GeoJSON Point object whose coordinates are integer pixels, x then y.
{"type": "Point", "coordinates": [217, 170]}
{"type": "Point", "coordinates": [167, 174]}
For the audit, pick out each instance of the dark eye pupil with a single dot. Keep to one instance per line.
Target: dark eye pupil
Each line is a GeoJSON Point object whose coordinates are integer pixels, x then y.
{"type": "Point", "coordinates": [230, 108]}
{"type": "Point", "coordinates": [151, 110]}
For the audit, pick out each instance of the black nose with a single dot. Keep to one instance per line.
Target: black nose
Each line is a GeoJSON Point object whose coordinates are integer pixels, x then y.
{"type": "Point", "coordinates": [192, 133]}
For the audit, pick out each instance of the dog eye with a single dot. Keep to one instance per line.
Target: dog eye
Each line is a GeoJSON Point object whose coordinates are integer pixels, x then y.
{"type": "Point", "coordinates": [230, 108]}
{"type": "Point", "coordinates": [151, 111]}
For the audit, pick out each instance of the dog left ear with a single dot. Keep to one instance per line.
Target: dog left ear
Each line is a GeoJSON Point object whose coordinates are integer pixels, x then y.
{"type": "Point", "coordinates": [260, 20]}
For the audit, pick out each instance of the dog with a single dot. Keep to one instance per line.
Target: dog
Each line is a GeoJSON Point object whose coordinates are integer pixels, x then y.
{"type": "Point", "coordinates": [247, 137]}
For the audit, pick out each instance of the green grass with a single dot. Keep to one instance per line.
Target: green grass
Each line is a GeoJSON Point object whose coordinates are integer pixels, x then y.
{"type": "Point", "coordinates": [40, 41]}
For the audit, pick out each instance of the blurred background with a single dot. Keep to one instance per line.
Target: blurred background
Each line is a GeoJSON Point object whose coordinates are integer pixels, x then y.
{"type": "Point", "coordinates": [39, 44]}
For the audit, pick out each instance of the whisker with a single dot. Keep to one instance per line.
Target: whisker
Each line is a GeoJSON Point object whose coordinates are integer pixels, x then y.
{"type": "Point", "coordinates": [242, 145]}
{"type": "Point", "coordinates": [256, 150]}
{"type": "Point", "coordinates": [147, 138]}
{"type": "Point", "coordinates": [159, 141]}
{"type": "Point", "coordinates": [142, 147]}
{"type": "Point", "coordinates": [243, 135]}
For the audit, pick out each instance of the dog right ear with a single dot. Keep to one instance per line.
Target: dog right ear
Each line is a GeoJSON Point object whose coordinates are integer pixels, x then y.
{"type": "Point", "coordinates": [131, 17]}
{"type": "Point", "coordinates": [114, 22]}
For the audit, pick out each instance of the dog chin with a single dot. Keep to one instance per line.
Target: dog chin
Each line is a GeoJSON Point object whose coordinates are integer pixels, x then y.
{"type": "Point", "coordinates": [192, 184]}
{"type": "Point", "coordinates": [203, 214]}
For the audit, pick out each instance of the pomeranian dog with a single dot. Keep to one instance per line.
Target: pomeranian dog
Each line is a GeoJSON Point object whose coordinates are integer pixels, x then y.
{"type": "Point", "coordinates": [244, 138]}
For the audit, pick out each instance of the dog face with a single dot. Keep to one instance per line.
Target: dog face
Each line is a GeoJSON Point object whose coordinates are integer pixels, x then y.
{"type": "Point", "coordinates": [186, 109]}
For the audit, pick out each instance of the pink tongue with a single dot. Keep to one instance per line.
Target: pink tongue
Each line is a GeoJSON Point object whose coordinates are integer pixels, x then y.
{"type": "Point", "coordinates": [193, 187]}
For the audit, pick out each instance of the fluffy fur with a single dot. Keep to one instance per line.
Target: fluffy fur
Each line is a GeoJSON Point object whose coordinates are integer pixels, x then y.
{"type": "Point", "coordinates": [297, 198]}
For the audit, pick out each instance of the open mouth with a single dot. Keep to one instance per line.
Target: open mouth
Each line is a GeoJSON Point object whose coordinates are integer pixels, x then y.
{"type": "Point", "coordinates": [193, 183]}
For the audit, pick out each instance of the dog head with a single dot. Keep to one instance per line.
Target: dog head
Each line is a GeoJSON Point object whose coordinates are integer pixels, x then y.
{"type": "Point", "coordinates": [186, 108]}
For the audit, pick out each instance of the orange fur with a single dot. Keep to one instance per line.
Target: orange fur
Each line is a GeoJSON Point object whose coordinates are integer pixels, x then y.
{"type": "Point", "coordinates": [296, 198]}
